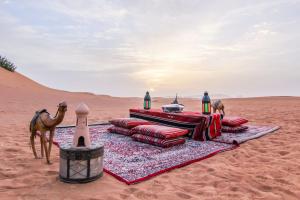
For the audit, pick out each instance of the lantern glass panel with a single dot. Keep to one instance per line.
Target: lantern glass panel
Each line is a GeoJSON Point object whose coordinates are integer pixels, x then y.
{"type": "Point", "coordinates": [147, 104]}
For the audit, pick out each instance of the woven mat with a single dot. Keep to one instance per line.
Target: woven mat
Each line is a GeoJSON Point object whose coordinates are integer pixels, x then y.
{"type": "Point", "coordinates": [251, 133]}
{"type": "Point", "coordinates": [131, 162]}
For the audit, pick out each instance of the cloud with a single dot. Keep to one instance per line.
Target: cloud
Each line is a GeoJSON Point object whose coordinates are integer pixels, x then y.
{"type": "Point", "coordinates": [157, 44]}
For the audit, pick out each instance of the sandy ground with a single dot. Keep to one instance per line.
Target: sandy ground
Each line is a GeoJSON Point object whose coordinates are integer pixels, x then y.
{"type": "Point", "coordinates": [265, 168]}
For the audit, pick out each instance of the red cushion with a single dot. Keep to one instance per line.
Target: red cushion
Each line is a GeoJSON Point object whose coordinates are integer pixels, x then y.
{"type": "Point", "coordinates": [233, 121]}
{"type": "Point", "coordinates": [237, 129]}
{"type": "Point", "coordinates": [158, 131]}
{"type": "Point", "coordinates": [214, 128]}
{"type": "Point", "coordinates": [128, 122]}
{"type": "Point", "coordinates": [157, 141]}
{"type": "Point", "coordinates": [119, 130]}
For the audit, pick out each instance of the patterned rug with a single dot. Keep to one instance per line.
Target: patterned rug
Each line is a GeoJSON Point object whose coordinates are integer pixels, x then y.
{"type": "Point", "coordinates": [251, 133]}
{"type": "Point", "coordinates": [131, 162]}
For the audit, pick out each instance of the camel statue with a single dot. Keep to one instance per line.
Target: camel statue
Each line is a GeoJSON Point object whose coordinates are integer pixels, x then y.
{"type": "Point", "coordinates": [43, 122]}
{"type": "Point", "coordinates": [218, 105]}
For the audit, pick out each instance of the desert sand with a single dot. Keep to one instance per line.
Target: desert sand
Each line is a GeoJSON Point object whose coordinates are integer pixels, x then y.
{"type": "Point", "coordinates": [264, 168]}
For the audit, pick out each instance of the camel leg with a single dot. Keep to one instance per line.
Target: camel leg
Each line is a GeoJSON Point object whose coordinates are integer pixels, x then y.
{"type": "Point", "coordinates": [33, 145]}
{"type": "Point", "coordinates": [45, 146]}
{"type": "Point", "coordinates": [50, 142]}
{"type": "Point", "coordinates": [42, 147]}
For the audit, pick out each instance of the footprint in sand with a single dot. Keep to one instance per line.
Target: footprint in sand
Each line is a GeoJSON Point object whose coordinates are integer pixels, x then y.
{"type": "Point", "coordinates": [52, 172]}
{"type": "Point", "coordinates": [124, 196]}
{"type": "Point", "coordinates": [157, 187]}
{"type": "Point", "coordinates": [234, 189]}
{"type": "Point", "coordinates": [13, 150]}
{"type": "Point", "coordinates": [265, 188]}
{"type": "Point", "coordinates": [7, 174]}
{"type": "Point", "coordinates": [183, 195]}
{"type": "Point", "coordinates": [210, 170]}
{"type": "Point", "coordinates": [131, 190]}
{"type": "Point", "coordinates": [138, 193]}
{"type": "Point", "coordinates": [283, 153]}
{"type": "Point", "coordinates": [282, 181]}
{"type": "Point", "coordinates": [262, 151]}
{"type": "Point", "coordinates": [145, 195]}
{"type": "Point", "coordinates": [165, 176]}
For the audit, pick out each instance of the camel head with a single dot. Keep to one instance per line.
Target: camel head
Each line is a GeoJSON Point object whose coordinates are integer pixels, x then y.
{"type": "Point", "coordinates": [62, 107]}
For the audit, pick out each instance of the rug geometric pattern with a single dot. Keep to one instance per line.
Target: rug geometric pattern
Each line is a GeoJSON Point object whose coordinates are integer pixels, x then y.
{"type": "Point", "coordinates": [131, 161]}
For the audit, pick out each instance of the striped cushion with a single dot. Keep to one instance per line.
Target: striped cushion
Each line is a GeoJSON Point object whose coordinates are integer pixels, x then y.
{"type": "Point", "coordinates": [214, 127]}
{"type": "Point", "coordinates": [128, 122]}
{"type": "Point", "coordinates": [237, 129]}
{"type": "Point", "coordinates": [158, 131]}
{"type": "Point", "coordinates": [119, 130]}
{"type": "Point", "coordinates": [233, 121]}
{"type": "Point", "coordinates": [157, 141]}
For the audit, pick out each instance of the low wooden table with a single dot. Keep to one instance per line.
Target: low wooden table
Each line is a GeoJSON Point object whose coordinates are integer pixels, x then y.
{"type": "Point", "coordinates": [201, 127]}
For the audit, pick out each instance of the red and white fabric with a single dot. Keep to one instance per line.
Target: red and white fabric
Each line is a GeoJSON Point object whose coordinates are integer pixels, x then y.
{"type": "Point", "coordinates": [159, 131]}
{"type": "Point", "coordinates": [165, 143]}
{"type": "Point", "coordinates": [233, 121]}
{"type": "Point", "coordinates": [128, 122]}
{"type": "Point", "coordinates": [119, 130]}
{"type": "Point", "coordinates": [214, 126]}
{"type": "Point", "coordinates": [195, 122]}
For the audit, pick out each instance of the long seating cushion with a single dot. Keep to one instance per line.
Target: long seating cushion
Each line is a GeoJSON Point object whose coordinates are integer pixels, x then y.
{"type": "Point", "coordinates": [119, 130]}
{"type": "Point", "coordinates": [159, 131]}
{"type": "Point", "coordinates": [233, 121]}
{"type": "Point", "coordinates": [128, 122]}
{"type": "Point", "coordinates": [237, 129]}
{"type": "Point", "coordinates": [165, 143]}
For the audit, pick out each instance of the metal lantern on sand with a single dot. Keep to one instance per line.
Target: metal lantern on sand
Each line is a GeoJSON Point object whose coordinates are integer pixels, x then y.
{"type": "Point", "coordinates": [206, 104]}
{"type": "Point", "coordinates": [147, 101]}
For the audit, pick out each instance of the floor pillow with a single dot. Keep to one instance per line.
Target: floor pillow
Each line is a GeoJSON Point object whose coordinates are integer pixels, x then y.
{"type": "Point", "coordinates": [119, 130]}
{"type": "Point", "coordinates": [157, 141]}
{"type": "Point", "coordinates": [233, 121]}
{"type": "Point", "coordinates": [128, 122]}
{"type": "Point", "coordinates": [237, 129]}
{"type": "Point", "coordinates": [159, 131]}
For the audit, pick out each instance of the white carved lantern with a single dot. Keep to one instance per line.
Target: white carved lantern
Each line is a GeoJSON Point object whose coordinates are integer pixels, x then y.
{"type": "Point", "coordinates": [82, 135]}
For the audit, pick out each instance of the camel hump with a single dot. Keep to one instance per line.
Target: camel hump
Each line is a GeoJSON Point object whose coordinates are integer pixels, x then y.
{"type": "Point", "coordinates": [34, 119]}
{"type": "Point", "coordinates": [217, 103]}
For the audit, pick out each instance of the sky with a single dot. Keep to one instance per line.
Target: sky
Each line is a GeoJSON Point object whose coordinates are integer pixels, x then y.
{"type": "Point", "coordinates": [124, 48]}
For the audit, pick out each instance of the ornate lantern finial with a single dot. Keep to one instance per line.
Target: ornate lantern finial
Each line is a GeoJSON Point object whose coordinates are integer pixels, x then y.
{"type": "Point", "coordinates": [206, 104]}
{"type": "Point", "coordinates": [147, 101]}
{"type": "Point", "coordinates": [175, 100]}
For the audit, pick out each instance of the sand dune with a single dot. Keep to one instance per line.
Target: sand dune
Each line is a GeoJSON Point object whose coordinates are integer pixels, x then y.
{"type": "Point", "coordinates": [266, 168]}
